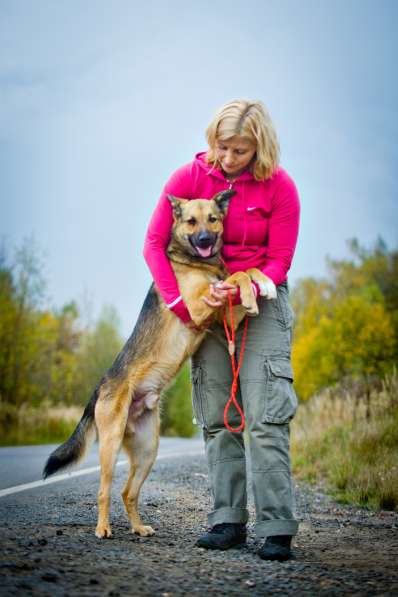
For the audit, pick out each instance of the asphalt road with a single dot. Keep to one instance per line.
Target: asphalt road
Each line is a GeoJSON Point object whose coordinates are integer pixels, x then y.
{"type": "Point", "coordinates": [25, 464]}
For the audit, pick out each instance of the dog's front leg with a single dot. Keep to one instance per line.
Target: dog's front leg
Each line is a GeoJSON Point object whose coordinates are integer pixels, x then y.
{"type": "Point", "coordinates": [247, 295]}
{"type": "Point", "coordinates": [201, 313]}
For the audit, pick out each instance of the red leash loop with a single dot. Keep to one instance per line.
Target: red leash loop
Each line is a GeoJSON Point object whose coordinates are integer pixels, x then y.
{"type": "Point", "coordinates": [235, 367]}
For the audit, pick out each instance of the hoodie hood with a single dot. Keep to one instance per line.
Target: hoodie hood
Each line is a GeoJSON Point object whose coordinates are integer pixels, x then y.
{"type": "Point", "coordinates": [201, 161]}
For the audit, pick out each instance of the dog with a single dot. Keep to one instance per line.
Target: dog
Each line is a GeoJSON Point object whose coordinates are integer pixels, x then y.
{"type": "Point", "coordinates": [124, 408]}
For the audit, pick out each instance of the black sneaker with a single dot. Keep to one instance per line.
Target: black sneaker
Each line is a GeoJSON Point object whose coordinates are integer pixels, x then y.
{"type": "Point", "coordinates": [223, 536]}
{"type": "Point", "coordinates": [276, 548]}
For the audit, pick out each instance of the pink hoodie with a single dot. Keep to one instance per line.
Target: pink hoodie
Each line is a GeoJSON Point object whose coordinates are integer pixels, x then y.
{"type": "Point", "coordinates": [260, 228]}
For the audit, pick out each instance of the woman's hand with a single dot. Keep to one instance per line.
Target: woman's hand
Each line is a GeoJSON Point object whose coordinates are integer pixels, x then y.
{"type": "Point", "coordinates": [219, 294]}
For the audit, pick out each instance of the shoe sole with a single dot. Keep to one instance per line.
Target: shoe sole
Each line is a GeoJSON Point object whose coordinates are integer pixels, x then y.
{"type": "Point", "coordinates": [277, 558]}
{"type": "Point", "coordinates": [222, 548]}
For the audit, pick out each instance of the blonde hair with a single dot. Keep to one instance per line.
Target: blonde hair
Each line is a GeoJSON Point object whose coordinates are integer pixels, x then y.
{"type": "Point", "coordinates": [248, 119]}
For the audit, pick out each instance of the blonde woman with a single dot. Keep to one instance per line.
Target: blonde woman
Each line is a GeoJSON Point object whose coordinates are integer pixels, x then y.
{"type": "Point", "coordinates": [260, 230]}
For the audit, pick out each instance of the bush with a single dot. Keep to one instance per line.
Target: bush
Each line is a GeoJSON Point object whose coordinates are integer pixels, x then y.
{"type": "Point", "coordinates": [177, 417]}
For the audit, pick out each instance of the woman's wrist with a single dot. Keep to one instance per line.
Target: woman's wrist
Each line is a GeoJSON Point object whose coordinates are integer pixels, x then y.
{"type": "Point", "coordinates": [180, 309]}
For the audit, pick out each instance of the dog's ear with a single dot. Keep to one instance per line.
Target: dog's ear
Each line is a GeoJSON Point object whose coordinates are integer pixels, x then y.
{"type": "Point", "coordinates": [176, 204]}
{"type": "Point", "coordinates": [222, 200]}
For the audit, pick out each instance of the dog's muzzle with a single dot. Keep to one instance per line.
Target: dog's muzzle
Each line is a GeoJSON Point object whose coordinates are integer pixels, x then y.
{"type": "Point", "coordinates": [204, 243]}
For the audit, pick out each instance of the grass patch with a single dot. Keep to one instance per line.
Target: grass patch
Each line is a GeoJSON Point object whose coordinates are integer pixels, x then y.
{"type": "Point", "coordinates": [36, 425]}
{"type": "Point", "coordinates": [333, 440]}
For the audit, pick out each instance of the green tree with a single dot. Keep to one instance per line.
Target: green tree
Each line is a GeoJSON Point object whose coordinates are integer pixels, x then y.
{"type": "Point", "coordinates": [96, 353]}
{"type": "Point", "coordinates": [22, 290]}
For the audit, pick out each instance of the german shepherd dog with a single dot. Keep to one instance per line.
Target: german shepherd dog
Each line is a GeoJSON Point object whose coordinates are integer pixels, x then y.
{"type": "Point", "coordinates": [124, 409]}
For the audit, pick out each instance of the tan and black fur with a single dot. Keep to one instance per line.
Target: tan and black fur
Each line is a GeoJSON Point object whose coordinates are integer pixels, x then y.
{"type": "Point", "coordinates": [124, 409]}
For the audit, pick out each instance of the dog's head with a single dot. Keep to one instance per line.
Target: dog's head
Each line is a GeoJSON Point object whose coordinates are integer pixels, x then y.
{"type": "Point", "coordinates": [198, 224]}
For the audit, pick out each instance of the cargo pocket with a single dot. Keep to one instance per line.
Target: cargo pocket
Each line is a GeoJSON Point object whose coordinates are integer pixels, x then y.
{"type": "Point", "coordinates": [198, 395]}
{"type": "Point", "coordinates": [280, 399]}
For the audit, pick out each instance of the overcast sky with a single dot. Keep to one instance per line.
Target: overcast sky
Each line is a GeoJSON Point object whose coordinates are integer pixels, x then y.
{"type": "Point", "coordinates": [101, 101]}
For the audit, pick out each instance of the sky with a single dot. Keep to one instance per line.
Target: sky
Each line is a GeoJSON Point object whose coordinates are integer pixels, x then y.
{"type": "Point", "coordinates": [101, 101]}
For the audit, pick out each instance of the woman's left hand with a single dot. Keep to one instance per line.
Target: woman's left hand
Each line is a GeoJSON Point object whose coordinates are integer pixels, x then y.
{"type": "Point", "coordinates": [219, 294]}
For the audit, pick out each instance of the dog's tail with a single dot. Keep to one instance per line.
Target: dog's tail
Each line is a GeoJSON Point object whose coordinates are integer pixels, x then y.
{"type": "Point", "coordinates": [75, 448]}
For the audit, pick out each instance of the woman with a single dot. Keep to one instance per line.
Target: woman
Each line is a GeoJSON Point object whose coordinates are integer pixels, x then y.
{"type": "Point", "coordinates": [260, 230]}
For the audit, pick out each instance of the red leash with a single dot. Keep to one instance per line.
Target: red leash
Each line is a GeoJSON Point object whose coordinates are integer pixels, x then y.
{"type": "Point", "coordinates": [235, 367]}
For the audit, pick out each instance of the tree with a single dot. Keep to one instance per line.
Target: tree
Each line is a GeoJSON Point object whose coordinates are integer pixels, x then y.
{"type": "Point", "coordinates": [347, 324]}
{"type": "Point", "coordinates": [96, 353]}
{"type": "Point", "coordinates": [22, 290]}
{"type": "Point", "coordinates": [356, 339]}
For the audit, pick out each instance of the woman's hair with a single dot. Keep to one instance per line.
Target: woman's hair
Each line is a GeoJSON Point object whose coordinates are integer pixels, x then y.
{"type": "Point", "coordinates": [248, 119]}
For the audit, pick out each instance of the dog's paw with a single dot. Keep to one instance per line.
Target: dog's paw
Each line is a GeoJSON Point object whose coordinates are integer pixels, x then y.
{"type": "Point", "coordinates": [143, 531]}
{"type": "Point", "coordinates": [103, 531]}
{"type": "Point", "coordinates": [267, 288]}
{"type": "Point", "coordinates": [251, 309]}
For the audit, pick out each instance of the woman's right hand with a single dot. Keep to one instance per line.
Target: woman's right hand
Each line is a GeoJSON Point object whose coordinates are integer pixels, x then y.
{"type": "Point", "coordinates": [219, 294]}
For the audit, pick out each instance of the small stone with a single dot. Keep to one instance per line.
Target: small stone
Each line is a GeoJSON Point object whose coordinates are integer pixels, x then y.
{"type": "Point", "coordinates": [59, 532]}
{"type": "Point", "coordinates": [42, 541]}
{"type": "Point", "coordinates": [250, 583]}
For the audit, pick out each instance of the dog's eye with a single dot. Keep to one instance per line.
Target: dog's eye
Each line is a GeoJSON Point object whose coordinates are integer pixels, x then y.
{"type": "Point", "coordinates": [191, 221]}
{"type": "Point", "coordinates": [212, 219]}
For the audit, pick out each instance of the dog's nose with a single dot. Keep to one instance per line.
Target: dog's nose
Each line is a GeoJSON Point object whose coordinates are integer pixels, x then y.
{"type": "Point", "coordinates": [204, 239]}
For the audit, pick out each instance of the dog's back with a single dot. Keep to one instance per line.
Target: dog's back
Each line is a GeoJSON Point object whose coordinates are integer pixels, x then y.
{"type": "Point", "coordinates": [138, 345]}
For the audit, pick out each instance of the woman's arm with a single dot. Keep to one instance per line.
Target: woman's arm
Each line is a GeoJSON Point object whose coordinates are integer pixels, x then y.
{"type": "Point", "coordinates": [283, 231]}
{"type": "Point", "coordinates": [158, 237]}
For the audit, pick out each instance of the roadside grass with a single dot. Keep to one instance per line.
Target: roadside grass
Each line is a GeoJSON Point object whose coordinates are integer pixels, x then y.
{"type": "Point", "coordinates": [36, 425]}
{"type": "Point", "coordinates": [353, 449]}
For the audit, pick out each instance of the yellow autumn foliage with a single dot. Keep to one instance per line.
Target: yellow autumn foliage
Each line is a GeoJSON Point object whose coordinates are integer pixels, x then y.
{"type": "Point", "coordinates": [346, 325]}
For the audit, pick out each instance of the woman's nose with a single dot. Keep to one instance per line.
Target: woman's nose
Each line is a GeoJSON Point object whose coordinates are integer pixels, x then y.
{"type": "Point", "coordinates": [228, 157]}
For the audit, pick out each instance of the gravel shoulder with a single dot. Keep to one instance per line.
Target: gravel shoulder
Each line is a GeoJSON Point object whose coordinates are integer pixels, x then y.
{"type": "Point", "coordinates": [48, 545]}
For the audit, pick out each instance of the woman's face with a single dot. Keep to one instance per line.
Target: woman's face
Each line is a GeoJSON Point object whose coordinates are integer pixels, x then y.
{"type": "Point", "coordinates": [235, 154]}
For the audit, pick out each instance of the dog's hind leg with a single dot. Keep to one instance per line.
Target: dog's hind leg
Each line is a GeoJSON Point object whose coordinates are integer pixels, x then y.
{"type": "Point", "coordinates": [141, 448]}
{"type": "Point", "coordinates": [111, 419]}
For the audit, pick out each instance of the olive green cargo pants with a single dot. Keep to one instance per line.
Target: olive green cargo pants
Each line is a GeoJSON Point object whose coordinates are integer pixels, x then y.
{"type": "Point", "coordinates": [268, 399]}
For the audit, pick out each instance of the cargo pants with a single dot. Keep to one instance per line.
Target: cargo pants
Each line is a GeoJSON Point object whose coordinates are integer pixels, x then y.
{"type": "Point", "coordinates": [266, 394]}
